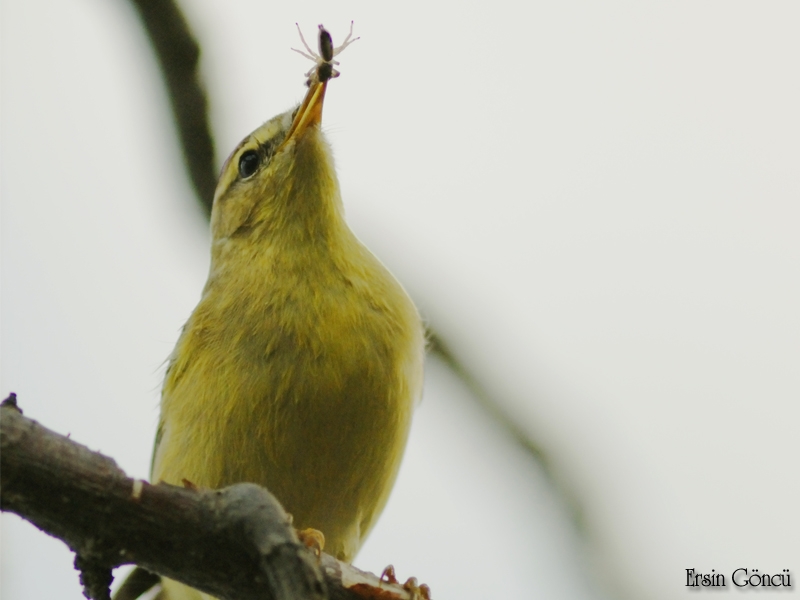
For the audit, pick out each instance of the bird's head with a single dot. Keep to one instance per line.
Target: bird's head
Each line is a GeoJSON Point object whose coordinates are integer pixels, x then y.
{"type": "Point", "coordinates": [279, 185]}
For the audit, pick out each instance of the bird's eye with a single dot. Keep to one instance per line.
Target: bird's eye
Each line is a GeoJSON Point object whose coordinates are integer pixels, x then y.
{"type": "Point", "coordinates": [248, 163]}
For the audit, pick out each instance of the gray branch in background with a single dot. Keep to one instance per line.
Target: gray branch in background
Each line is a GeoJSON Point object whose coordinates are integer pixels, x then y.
{"type": "Point", "coordinates": [502, 417]}
{"type": "Point", "coordinates": [179, 56]}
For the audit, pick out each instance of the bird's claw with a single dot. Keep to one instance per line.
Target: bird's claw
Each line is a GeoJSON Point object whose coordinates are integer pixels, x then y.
{"type": "Point", "coordinates": [412, 586]}
{"type": "Point", "coordinates": [389, 575]}
{"type": "Point", "coordinates": [313, 539]}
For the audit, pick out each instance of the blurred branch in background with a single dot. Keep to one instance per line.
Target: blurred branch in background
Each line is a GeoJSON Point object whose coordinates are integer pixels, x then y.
{"type": "Point", "coordinates": [501, 416]}
{"type": "Point", "coordinates": [178, 54]}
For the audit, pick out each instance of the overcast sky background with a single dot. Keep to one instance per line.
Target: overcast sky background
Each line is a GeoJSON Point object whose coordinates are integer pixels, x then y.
{"type": "Point", "coordinates": [596, 205]}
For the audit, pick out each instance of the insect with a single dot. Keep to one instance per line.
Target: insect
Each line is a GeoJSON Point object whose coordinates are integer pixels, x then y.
{"type": "Point", "coordinates": [323, 69]}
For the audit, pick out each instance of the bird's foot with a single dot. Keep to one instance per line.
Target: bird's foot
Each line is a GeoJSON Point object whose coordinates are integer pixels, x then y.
{"type": "Point", "coordinates": [412, 586]}
{"type": "Point", "coordinates": [189, 485]}
{"type": "Point", "coordinates": [313, 539]}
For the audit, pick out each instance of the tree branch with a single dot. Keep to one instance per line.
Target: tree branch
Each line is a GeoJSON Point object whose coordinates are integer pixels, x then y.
{"type": "Point", "coordinates": [178, 55]}
{"type": "Point", "coordinates": [235, 543]}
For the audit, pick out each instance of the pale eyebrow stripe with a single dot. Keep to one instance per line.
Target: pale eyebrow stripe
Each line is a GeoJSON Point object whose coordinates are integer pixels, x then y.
{"type": "Point", "coordinates": [225, 168]}
{"type": "Point", "coordinates": [243, 143]}
{"type": "Point", "coordinates": [230, 156]}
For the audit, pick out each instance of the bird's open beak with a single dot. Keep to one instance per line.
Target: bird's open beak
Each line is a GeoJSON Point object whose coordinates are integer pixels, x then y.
{"type": "Point", "coordinates": [310, 111]}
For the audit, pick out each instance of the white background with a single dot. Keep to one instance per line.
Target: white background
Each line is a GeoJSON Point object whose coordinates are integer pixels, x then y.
{"type": "Point", "coordinates": [596, 204]}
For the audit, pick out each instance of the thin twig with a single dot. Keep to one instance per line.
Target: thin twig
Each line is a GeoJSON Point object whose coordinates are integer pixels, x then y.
{"type": "Point", "coordinates": [506, 421]}
{"type": "Point", "coordinates": [178, 55]}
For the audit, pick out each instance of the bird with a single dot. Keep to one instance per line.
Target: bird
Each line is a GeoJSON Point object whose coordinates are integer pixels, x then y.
{"type": "Point", "coordinates": [302, 363]}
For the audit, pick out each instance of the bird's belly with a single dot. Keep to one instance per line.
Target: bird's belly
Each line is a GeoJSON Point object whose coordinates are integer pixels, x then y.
{"type": "Point", "coordinates": [320, 422]}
